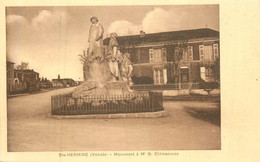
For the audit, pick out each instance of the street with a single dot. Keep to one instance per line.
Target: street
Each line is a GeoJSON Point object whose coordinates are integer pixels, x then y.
{"type": "Point", "coordinates": [191, 125]}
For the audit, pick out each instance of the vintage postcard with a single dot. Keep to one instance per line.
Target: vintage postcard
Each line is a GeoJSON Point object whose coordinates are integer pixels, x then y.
{"type": "Point", "coordinates": [91, 82]}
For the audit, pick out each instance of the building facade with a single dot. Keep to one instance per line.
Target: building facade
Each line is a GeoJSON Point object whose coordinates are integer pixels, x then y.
{"type": "Point", "coordinates": [29, 80]}
{"type": "Point", "coordinates": [188, 56]}
{"type": "Point", "coordinates": [21, 79]}
{"type": "Point", "coordinates": [11, 82]}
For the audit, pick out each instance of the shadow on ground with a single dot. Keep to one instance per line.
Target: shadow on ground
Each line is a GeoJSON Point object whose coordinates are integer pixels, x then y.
{"type": "Point", "coordinates": [211, 115]}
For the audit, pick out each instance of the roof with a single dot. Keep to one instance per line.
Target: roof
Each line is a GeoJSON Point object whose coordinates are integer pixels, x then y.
{"type": "Point", "coordinates": [46, 82]}
{"type": "Point", "coordinates": [26, 70]}
{"type": "Point", "coordinates": [63, 79]}
{"type": "Point", "coordinates": [165, 36]}
{"type": "Point", "coordinates": [9, 62]}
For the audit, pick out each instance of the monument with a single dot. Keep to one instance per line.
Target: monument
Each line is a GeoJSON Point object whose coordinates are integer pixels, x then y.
{"type": "Point", "coordinates": [102, 72]}
{"type": "Point", "coordinates": [107, 82]}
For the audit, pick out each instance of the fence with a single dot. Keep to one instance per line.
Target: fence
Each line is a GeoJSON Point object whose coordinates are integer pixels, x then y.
{"type": "Point", "coordinates": [203, 85]}
{"type": "Point", "coordinates": [106, 104]}
{"type": "Point", "coordinates": [147, 87]}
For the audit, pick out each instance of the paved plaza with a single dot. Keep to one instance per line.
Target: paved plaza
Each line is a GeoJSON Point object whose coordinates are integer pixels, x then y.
{"type": "Point", "coordinates": [190, 125]}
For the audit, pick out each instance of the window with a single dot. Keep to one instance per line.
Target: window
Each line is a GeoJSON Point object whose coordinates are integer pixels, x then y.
{"type": "Point", "coordinates": [176, 54]}
{"type": "Point", "coordinates": [164, 55]}
{"type": "Point", "coordinates": [151, 55]}
{"type": "Point", "coordinates": [215, 50]}
{"type": "Point", "coordinates": [208, 72]}
{"type": "Point", "coordinates": [206, 52]}
{"type": "Point", "coordinates": [201, 52]}
{"type": "Point", "coordinates": [157, 55]}
{"type": "Point", "coordinates": [160, 76]}
{"type": "Point", "coordinates": [184, 56]}
{"type": "Point", "coordinates": [190, 53]}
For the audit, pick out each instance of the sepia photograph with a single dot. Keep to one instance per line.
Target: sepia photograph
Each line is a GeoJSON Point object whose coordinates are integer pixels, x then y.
{"type": "Point", "coordinates": [113, 78]}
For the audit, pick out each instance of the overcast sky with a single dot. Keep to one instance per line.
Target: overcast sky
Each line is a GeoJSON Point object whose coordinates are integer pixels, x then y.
{"type": "Point", "coordinates": [51, 38]}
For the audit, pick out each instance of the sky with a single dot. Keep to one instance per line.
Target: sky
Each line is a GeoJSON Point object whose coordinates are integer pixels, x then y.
{"type": "Point", "coordinates": [51, 38]}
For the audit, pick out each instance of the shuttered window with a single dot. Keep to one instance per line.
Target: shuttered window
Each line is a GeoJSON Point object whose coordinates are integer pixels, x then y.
{"type": "Point", "coordinates": [215, 51]}
{"type": "Point", "coordinates": [157, 55]}
{"type": "Point", "coordinates": [164, 55]}
{"type": "Point", "coordinates": [160, 76]}
{"type": "Point", "coordinates": [190, 53]}
{"type": "Point", "coordinates": [201, 52]}
{"type": "Point", "coordinates": [184, 55]}
{"type": "Point", "coordinates": [151, 55]}
{"type": "Point", "coordinates": [206, 52]}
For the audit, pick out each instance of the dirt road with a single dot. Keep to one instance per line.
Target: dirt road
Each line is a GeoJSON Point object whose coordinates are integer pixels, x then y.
{"type": "Point", "coordinates": [190, 126]}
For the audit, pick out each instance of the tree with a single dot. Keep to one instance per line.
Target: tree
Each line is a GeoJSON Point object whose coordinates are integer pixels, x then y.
{"type": "Point", "coordinates": [83, 56]}
{"type": "Point", "coordinates": [84, 60]}
{"type": "Point", "coordinates": [178, 59]}
{"type": "Point", "coordinates": [216, 68]}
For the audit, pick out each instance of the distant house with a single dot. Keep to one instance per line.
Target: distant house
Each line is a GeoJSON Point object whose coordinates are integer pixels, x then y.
{"type": "Point", "coordinates": [21, 79]}
{"type": "Point", "coordinates": [28, 78]}
{"type": "Point", "coordinates": [57, 83]}
{"type": "Point", "coordinates": [23, 66]}
{"type": "Point", "coordinates": [12, 84]}
{"type": "Point", "coordinates": [65, 82]}
{"type": "Point", "coordinates": [45, 83]}
{"type": "Point", "coordinates": [187, 56]}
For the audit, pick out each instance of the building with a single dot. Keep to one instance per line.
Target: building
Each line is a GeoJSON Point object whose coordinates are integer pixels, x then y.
{"type": "Point", "coordinates": [187, 56]}
{"type": "Point", "coordinates": [23, 66]}
{"type": "Point", "coordinates": [11, 82]}
{"type": "Point", "coordinates": [65, 82]}
{"type": "Point", "coordinates": [29, 80]}
{"type": "Point", "coordinates": [45, 83]}
{"type": "Point", "coordinates": [21, 79]}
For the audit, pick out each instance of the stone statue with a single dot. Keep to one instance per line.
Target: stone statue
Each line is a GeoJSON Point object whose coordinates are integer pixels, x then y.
{"type": "Point", "coordinates": [113, 56]}
{"type": "Point", "coordinates": [95, 50]}
{"type": "Point", "coordinates": [126, 69]}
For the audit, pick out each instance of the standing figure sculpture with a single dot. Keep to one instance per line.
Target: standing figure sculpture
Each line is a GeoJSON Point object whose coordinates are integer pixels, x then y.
{"type": "Point", "coordinates": [95, 50]}
{"type": "Point", "coordinates": [126, 69]}
{"type": "Point", "coordinates": [113, 56]}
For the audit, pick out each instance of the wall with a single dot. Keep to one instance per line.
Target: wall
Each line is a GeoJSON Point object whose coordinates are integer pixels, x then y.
{"type": "Point", "coordinates": [170, 53]}
{"type": "Point", "coordinates": [143, 74]}
{"type": "Point", "coordinates": [140, 55]}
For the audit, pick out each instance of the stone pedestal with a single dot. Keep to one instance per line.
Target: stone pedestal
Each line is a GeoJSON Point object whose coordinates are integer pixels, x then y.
{"type": "Point", "coordinates": [99, 88]}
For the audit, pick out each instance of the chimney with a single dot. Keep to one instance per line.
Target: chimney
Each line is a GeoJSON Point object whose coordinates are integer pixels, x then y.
{"type": "Point", "coordinates": [142, 33]}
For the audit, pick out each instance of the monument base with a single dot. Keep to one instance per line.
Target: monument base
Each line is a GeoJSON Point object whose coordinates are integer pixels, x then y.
{"type": "Point", "coordinates": [130, 102]}
{"type": "Point", "coordinates": [157, 114]}
{"type": "Point", "coordinates": [98, 88]}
